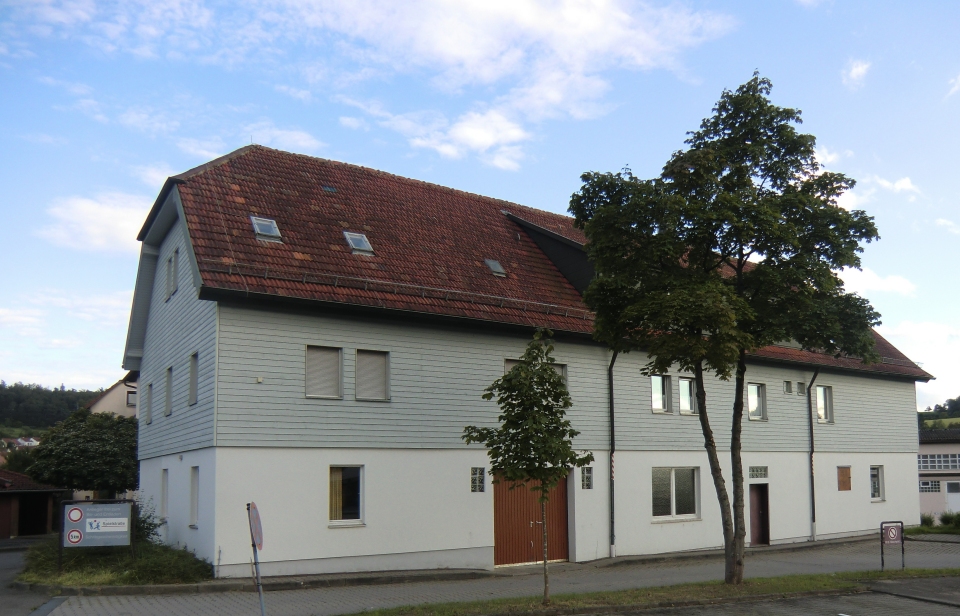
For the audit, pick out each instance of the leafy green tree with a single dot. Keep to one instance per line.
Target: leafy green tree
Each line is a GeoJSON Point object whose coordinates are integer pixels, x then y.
{"type": "Point", "coordinates": [37, 406]}
{"type": "Point", "coordinates": [534, 443]}
{"type": "Point", "coordinates": [89, 451]}
{"type": "Point", "coordinates": [734, 247]}
{"type": "Point", "coordinates": [18, 461]}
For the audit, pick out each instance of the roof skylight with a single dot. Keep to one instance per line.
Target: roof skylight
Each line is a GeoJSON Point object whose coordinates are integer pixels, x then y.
{"type": "Point", "coordinates": [359, 243]}
{"type": "Point", "coordinates": [496, 268]}
{"type": "Point", "coordinates": [266, 229]}
{"type": "Point", "coordinates": [329, 188]}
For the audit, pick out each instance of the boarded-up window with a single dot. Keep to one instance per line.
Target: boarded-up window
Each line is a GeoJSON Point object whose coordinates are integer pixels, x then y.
{"type": "Point", "coordinates": [843, 478]}
{"type": "Point", "coordinates": [372, 375]}
{"type": "Point", "coordinates": [194, 376]}
{"type": "Point", "coordinates": [344, 493]}
{"type": "Point", "coordinates": [323, 372]}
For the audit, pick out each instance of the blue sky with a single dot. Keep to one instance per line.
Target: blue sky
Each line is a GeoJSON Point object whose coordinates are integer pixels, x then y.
{"type": "Point", "coordinates": [100, 101]}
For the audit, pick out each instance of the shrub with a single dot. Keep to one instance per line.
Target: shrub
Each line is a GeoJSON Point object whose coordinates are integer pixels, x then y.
{"type": "Point", "coordinates": [926, 519]}
{"type": "Point", "coordinates": [947, 518]}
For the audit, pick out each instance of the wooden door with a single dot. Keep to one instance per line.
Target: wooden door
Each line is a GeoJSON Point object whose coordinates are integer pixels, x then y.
{"type": "Point", "coordinates": [759, 514]}
{"type": "Point", "coordinates": [517, 534]}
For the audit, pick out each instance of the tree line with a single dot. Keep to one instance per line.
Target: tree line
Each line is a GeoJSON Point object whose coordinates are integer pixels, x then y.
{"type": "Point", "coordinates": [38, 407]}
{"type": "Point", "coordinates": [936, 414]}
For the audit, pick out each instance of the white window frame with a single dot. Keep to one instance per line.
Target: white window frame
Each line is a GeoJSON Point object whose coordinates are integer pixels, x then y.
{"type": "Point", "coordinates": [363, 507]}
{"type": "Point", "coordinates": [194, 497]}
{"type": "Point", "coordinates": [880, 495]}
{"type": "Point", "coordinates": [269, 236]}
{"type": "Point", "coordinates": [664, 398]}
{"type": "Point", "coordinates": [673, 495]}
{"type": "Point", "coordinates": [386, 375]}
{"type": "Point", "coordinates": [132, 393]}
{"type": "Point", "coordinates": [692, 384]}
{"type": "Point", "coordinates": [193, 393]}
{"type": "Point", "coordinates": [586, 478]}
{"type": "Point", "coordinates": [824, 414]}
{"type": "Point", "coordinates": [306, 384]}
{"type": "Point", "coordinates": [168, 393]}
{"type": "Point", "coordinates": [761, 401]}
{"type": "Point", "coordinates": [932, 486]}
{"type": "Point", "coordinates": [938, 461]}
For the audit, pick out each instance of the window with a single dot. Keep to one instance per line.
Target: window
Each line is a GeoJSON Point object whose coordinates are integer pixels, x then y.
{"type": "Point", "coordinates": [675, 492]}
{"type": "Point", "coordinates": [953, 487]}
{"type": "Point", "coordinates": [131, 398]}
{"type": "Point", "coordinates": [194, 375]}
{"type": "Point", "coordinates": [323, 368]}
{"type": "Point", "coordinates": [586, 478]}
{"type": "Point", "coordinates": [164, 498]}
{"type": "Point", "coordinates": [688, 396]}
{"type": "Point", "coordinates": [933, 486]}
{"type": "Point", "coordinates": [496, 268]}
{"type": "Point", "coordinates": [824, 404]}
{"type": "Point", "coordinates": [756, 401]}
{"type": "Point", "coordinates": [843, 478]}
{"type": "Point", "coordinates": [758, 472]}
{"type": "Point", "coordinates": [477, 479]}
{"type": "Point", "coordinates": [876, 482]}
{"type": "Point", "coordinates": [173, 267]}
{"type": "Point", "coordinates": [938, 461]}
{"type": "Point", "coordinates": [801, 389]}
{"type": "Point", "coordinates": [345, 493]}
{"type": "Point", "coordinates": [660, 393]}
{"type": "Point", "coordinates": [788, 387]}
{"type": "Point", "coordinates": [168, 393]}
{"type": "Point", "coordinates": [266, 229]}
{"type": "Point", "coordinates": [148, 405]}
{"type": "Point", "coordinates": [372, 376]}
{"type": "Point", "coordinates": [358, 243]}
{"type": "Point", "coordinates": [194, 496]}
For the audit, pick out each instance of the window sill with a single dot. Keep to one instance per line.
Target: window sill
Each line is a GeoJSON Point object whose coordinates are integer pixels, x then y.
{"type": "Point", "coordinates": [309, 397]}
{"type": "Point", "coordinates": [689, 413]}
{"type": "Point", "coordinates": [656, 412]}
{"type": "Point", "coordinates": [346, 524]}
{"type": "Point", "coordinates": [758, 418]}
{"type": "Point", "coordinates": [372, 399]}
{"type": "Point", "coordinates": [825, 421]}
{"type": "Point", "coordinates": [674, 519]}
{"type": "Point", "coordinates": [878, 500]}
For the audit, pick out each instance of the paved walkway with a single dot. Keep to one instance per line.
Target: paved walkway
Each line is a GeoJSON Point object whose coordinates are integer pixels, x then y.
{"type": "Point", "coordinates": [512, 582]}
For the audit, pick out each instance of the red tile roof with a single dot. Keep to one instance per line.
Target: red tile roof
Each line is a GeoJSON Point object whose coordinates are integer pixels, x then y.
{"type": "Point", "coordinates": [18, 482]}
{"type": "Point", "coordinates": [429, 242]}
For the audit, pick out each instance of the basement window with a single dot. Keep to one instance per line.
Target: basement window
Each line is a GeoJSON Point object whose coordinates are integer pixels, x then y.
{"type": "Point", "coordinates": [358, 243]}
{"type": "Point", "coordinates": [496, 268]}
{"type": "Point", "coordinates": [266, 229]}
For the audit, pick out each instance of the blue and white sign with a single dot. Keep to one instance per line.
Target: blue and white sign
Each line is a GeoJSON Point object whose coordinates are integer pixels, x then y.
{"type": "Point", "coordinates": [96, 524]}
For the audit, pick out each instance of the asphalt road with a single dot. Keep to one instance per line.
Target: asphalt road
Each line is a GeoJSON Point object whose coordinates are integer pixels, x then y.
{"type": "Point", "coordinates": [16, 602]}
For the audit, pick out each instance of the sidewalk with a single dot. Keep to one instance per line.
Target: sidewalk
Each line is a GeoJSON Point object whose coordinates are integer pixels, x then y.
{"type": "Point", "coordinates": [619, 574]}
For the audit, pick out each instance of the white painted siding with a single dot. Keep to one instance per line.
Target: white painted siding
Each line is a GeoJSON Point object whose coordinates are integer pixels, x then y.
{"type": "Point", "coordinates": [176, 328]}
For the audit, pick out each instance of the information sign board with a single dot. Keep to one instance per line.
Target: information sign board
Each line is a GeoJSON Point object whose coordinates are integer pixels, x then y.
{"type": "Point", "coordinates": [96, 524]}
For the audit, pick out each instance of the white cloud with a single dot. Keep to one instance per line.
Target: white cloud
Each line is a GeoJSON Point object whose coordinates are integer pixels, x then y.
{"type": "Point", "coordinates": [937, 346]}
{"type": "Point", "coordinates": [79, 89]}
{"type": "Point", "coordinates": [855, 73]}
{"type": "Point", "coordinates": [265, 133]}
{"type": "Point", "coordinates": [866, 280]}
{"type": "Point", "coordinates": [855, 199]}
{"type": "Point", "coordinates": [203, 148]}
{"type": "Point", "coordinates": [301, 95]}
{"type": "Point", "coordinates": [148, 121]}
{"type": "Point", "coordinates": [90, 108]}
{"type": "Point", "coordinates": [954, 85]}
{"type": "Point", "coordinates": [354, 123]}
{"type": "Point", "coordinates": [23, 321]}
{"type": "Point", "coordinates": [153, 175]}
{"type": "Point", "coordinates": [110, 222]}
{"type": "Point", "coordinates": [949, 225]}
{"type": "Point", "coordinates": [44, 139]}
{"type": "Point", "coordinates": [108, 308]}
{"type": "Point", "coordinates": [901, 185]}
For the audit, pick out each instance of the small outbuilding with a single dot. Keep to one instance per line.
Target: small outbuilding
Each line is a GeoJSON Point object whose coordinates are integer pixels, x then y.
{"type": "Point", "coordinates": [939, 466]}
{"type": "Point", "coordinates": [26, 507]}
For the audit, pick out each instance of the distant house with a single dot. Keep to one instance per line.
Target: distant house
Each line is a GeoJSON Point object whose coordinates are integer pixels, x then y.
{"type": "Point", "coordinates": [939, 466]}
{"type": "Point", "coordinates": [119, 399]}
{"type": "Point", "coordinates": [26, 507]}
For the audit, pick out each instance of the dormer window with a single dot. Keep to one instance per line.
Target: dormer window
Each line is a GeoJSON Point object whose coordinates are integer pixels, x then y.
{"type": "Point", "coordinates": [266, 229]}
{"type": "Point", "coordinates": [496, 268]}
{"type": "Point", "coordinates": [359, 243]}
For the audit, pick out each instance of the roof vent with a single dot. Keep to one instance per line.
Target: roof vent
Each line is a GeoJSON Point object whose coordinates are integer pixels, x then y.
{"type": "Point", "coordinates": [496, 268]}
{"type": "Point", "coordinates": [266, 229]}
{"type": "Point", "coordinates": [359, 243]}
{"type": "Point", "coordinates": [329, 188]}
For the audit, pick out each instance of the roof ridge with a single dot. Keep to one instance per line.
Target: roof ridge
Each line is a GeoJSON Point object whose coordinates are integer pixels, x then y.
{"type": "Point", "coordinates": [216, 162]}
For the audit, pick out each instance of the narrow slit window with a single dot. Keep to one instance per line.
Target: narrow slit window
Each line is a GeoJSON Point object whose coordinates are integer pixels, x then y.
{"type": "Point", "coordinates": [148, 405]}
{"type": "Point", "coordinates": [477, 479]}
{"type": "Point", "coordinates": [173, 267]}
{"type": "Point", "coordinates": [586, 478]}
{"type": "Point", "coordinates": [194, 376]}
{"type": "Point", "coordinates": [168, 393]}
{"type": "Point", "coordinates": [164, 497]}
{"type": "Point", "coordinates": [194, 496]}
{"type": "Point", "coordinates": [266, 229]}
{"type": "Point", "coordinates": [756, 401]}
{"type": "Point", "coordinates": [345, 493]}
{"type": "Point", "coordinates": [358, 242]}
{"type": "Point", "coordinates": [496, 268]}
{"type": "Point", "coordinates": [824, 404]}
{"type": "Point", "coordinates": [876, 483]}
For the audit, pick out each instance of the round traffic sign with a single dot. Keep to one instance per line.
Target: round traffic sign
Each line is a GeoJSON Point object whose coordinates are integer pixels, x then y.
{"type": "Point", "coordinates": [893, 533]}
{"type": "Point", "coordinates": [75, 514]}
{"type": "Point", "coordinates": [74, 536]}
{"type": "Point", "coordinates": [256, 530]}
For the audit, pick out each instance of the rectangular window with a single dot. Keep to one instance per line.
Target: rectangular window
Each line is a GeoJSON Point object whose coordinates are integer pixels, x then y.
{"type": "Point", "coordinates": [953, 487]}
{"type": "Point", "coordinates": [194, 376]}
{"type": "Point", "coordinates": [164, 498]}
{"type": "Point", "coordinates": [758, 472]}
{"type": "Point", "coordinates": [801, 389]}
{"type": "Point", "coordinates": [660, 393]}
{"type": "Point", "coordinates": [323, 369]}
{"type": "Point", "coordinates": [148, 405]}
{"type": "Point", "coordinates": [173, 265]}
{"type": "Point", "coordinates": [938, 461]}
{"type": "Point", "coordinates": [131, 398]}
{"type": "Point", "coordinates": [824, 404]}
{"type": "Point", "coordinates": [345, 493]}
{"type": "Point", "coordinates": [933, 486]}
{"type": "Point", "coordinates": [876, 482]}
{"type": "Point", "coordinates": [478, 479]}
{"type": "Point", "coordinates": [688, 396]}
{"type": "Point", "coordinates": [788, 387]}
{"type": "Point", "coordinates": [168, 393]}
{"type": "Point", "coordinates": [586, 478]}
{"type": "Point", "coordinates": [843, 478]}
{"type": "Point", "coordinates": [756, 401]}
{"type": "Point", "coordinates": [372, 375]}
{"type": "Point", "coordinates": [675, 492]}
{"type": "Point", "coordinates": [194, 496]}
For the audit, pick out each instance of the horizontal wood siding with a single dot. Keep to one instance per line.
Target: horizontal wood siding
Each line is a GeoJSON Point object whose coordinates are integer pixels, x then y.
{"type": "Point", "coordinates": [176, 329]}
{"type": "Point", "coordinates": [437, 378]}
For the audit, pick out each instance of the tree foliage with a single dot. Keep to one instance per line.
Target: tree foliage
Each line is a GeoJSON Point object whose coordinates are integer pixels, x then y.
{"type": "Point", "coordinates": [18, 460]}
{"type": "Point", "coordinates": [89, 451]}
{"type": "Point", "coordinates": [737, 245]}
{"type": "Point", "coordinates": [39, 407]}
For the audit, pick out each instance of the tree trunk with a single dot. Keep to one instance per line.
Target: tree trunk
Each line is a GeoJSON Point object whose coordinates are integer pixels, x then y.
{"type": "Point", "coordinates": [718, 483]}
{"type": "Point", "coordinates": [546, 576]}
{"type": "Point", "coordinates": [734, 552]}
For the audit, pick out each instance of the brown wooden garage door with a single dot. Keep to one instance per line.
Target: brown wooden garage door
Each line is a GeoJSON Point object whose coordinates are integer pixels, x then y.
{"type": "Point", "coordinates": [517, 537]}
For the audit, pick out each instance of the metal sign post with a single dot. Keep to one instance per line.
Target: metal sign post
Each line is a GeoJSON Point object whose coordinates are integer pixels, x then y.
{"type": "Point", "coordinates": [95, 523]}
{"type": "Point", "coordinates": [256, 542]}
{"type": "Point", "coordinates": [891, 533]}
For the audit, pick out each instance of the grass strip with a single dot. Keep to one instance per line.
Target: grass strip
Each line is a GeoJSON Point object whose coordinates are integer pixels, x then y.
{"type": "Point", "coordinates": [153, 564]}
{"type": "Point", "coordinates": [664, 595]}
{"type": "Point", "coordinates": [933, 530]}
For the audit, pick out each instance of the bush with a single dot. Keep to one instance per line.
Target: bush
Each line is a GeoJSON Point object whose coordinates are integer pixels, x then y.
{"type": "Point", "coordinates": [926, 519]}
{"type": "Point", "coordinates": [947, 518]}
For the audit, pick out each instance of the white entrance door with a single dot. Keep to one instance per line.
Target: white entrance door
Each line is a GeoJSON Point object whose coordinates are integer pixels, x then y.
{"type": "Point", "coordinates": [953, 496]}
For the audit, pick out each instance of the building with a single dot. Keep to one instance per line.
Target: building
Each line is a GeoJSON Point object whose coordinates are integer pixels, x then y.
{"type": "Point", "coordinates": [118, 399]}
{"type": "Point", "coordinates": [313, 336]}
{"type": "Point", "coordinates": [939, 465]}
{"type": "Point", "coordinates": [26, 507]}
